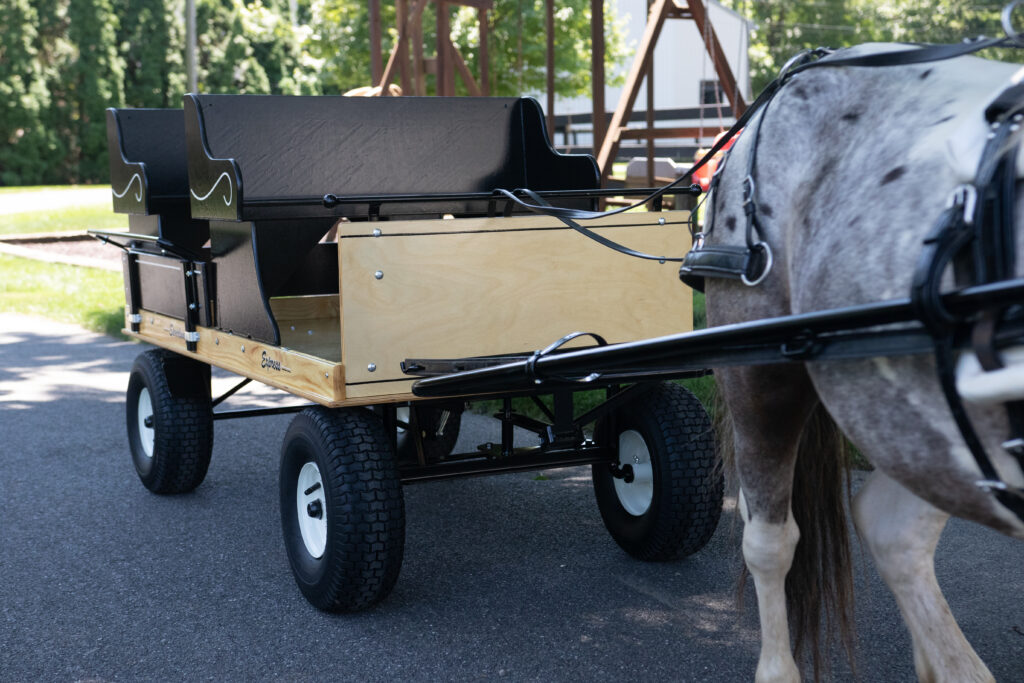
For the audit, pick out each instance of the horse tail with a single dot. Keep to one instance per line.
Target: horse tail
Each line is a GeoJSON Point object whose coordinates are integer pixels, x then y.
{"type": "Point", "coordinates": [819, 585]}
{"type": "Point", "coordinates": [820, 582]}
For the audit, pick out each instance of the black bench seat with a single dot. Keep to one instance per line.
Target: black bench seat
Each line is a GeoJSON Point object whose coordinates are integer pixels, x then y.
{"type": "Point", "coordinates": [149, 175]}
{"type": "Point", "coordinates": [259, 167]}
{"type": "Point", "coordinates": [265, 157]}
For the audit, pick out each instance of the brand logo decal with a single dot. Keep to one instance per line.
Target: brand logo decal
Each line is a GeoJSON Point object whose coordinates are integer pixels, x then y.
{"type": "Point", "coordinates": [268, 362]}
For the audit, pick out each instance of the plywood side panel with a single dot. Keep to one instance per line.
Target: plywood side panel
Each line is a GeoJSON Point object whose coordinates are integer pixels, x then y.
{"type": "Point", "coordinates": [310, 324]}
{"type": "Point", "coordinates": [470, 292]}
{"type": "Point", "coordinates": [312, 378]}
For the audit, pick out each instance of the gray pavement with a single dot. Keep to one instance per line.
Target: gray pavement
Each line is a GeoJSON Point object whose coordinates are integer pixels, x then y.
{"type": "Point", "coordinates": [504, 577]}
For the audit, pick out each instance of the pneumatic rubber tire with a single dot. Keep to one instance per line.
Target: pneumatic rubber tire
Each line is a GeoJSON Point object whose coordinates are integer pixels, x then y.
{"type": "Point", "coordinates": [672, 507]}
{"type": "Point", "coordinates": [170, 421]}
{"type": "Point", "coordinates": [342, 510]}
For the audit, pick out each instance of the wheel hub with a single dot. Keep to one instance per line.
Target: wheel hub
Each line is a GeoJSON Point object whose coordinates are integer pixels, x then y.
{"type": "Point", "coordinates": [637, 491]}
{"type": "Point", "coordinates": [311, 509]}
{"type": "Point", "coordinates": [147, 434]}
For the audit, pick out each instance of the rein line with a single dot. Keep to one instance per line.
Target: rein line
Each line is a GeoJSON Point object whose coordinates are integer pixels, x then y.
{"type": "Point", "coordinates": [803, 61]}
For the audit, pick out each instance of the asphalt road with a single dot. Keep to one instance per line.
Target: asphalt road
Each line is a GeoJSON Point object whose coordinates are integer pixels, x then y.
{"type": "Point", "coordinates": [508, 576]}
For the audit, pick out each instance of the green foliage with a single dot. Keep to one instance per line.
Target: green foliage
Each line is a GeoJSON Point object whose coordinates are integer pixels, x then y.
{"type": "Point", "coordinates": [151, 37]}
{"type": "Point", "coordinates": [95, 81]}
{"type": "Point", "coordinates": [24, 139]}
{"type": "Point", "coordinates": [516, 44]}
{"type": "Point", "coordinates": [783, 28]}
{"type": "Point", "coordinates": [252, 47]}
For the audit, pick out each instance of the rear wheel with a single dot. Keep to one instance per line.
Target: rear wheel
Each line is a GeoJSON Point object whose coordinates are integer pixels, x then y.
{"type": "Point", "coordinates": [439, 430]}
{"type": "Point", "coordinates": [342, 511]}
{"type": "Point", "coordinates": [663, 499]}
{"type": "Point", "coordinates": [169, 420]}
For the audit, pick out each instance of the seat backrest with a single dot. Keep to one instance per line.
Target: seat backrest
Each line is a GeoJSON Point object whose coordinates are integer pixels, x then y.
{"type": "Point", "coordinates": [260, 156]}
{"type": "Point", "coordinates": [148, 165]}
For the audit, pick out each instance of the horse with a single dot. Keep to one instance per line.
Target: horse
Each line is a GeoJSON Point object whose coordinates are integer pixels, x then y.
{"type": "Point", "coordinates": [853, 167]}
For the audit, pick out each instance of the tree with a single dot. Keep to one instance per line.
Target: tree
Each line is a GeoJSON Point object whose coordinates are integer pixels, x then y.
{"type": "Point", "coordinates": [783, 28]}
{"type": "Point", "coordinates": [518, 46]}
{"type": "Point", "coordinates": [26, 143]}
{"type": "Point", "coordinates": [95, 79]}
{"type": "Point", "coordinates": [517, 43]}
{"type": "Point", "coordinates": [152, 44]}
{"type": "Point", "coordinates": [252, 47]}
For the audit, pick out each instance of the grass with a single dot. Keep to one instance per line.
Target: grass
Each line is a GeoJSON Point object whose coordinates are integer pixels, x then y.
{"type": "Point", "coordinates": [88, 297]}
{"type": "Point", "coordinates": [57, 209]}
{"type": "Point", "coordinates": [62, 220]}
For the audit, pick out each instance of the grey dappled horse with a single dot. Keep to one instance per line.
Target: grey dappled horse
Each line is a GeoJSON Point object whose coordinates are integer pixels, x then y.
{"type": "Point", "coordinates": [854, 165]}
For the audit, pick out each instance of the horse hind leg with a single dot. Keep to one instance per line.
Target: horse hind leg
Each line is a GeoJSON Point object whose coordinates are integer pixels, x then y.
{"type": "Point", "coordinates": [901, 532]}
{"type": "Point", "coordinates": [768, 409]}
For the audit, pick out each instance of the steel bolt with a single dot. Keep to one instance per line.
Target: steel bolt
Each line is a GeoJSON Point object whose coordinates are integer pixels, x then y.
{"type": "Point", "coordinates": [243, 348]}
{"type": "Point", "coordinates": [379, 274]}
{"type": "Point", "coordinates": [661, 221]}
{"type": "Point", "coordinates": [376, 232]}
{"type": "Point", "coordinates": [372, 367]}
{"type": "Point", "coordinates": [191, 307]}
{"type": "Point", "coordinates": [315, 509]}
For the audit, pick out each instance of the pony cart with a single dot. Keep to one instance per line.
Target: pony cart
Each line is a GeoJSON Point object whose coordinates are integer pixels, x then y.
{"type": "Point", "coordinates": [917, 307]}
{"type": "Point", "coordinates": [315, 243]}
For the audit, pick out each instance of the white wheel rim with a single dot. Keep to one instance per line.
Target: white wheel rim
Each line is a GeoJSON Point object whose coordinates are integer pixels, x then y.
{"type": "Point", "coordinates": [402, 415]}
{"type": "Point", "coordinates": [635, 496]}
{"type": "Point", "coordinates": [311, 507]}
{"type": "Point", "coordinates": [144, 412]}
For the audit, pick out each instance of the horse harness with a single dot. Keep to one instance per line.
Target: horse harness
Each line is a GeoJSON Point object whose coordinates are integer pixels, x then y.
{"type": "Point", "coordinates": [975, 235]}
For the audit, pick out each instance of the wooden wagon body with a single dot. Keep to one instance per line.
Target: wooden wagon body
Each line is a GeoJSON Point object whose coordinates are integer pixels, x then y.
{"type": "Point", "coordinates": [315, 244]}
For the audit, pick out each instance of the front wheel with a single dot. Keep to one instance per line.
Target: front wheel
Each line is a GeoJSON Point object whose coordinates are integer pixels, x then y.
{"type": "Point", "coordinates": [342, 511]}
{"type": "Point", "coordinates": [170, 421]}
{"type": "Point", "coordinates": [662, 498]}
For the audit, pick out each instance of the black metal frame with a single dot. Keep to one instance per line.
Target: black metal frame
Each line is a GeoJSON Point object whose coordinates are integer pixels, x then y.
{"type": "Point", "coordinates": [563, 443]}
{"type": "Point", "coordinates": [844, 333]}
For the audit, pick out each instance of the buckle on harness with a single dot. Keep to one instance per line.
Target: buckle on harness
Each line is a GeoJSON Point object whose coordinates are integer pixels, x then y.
{"type": "Point", "coordinates": [766, 261]}
{"type": "Point", "coordinates": [965, 195]}
{"type": "Point", "coordinates": [749, 206]}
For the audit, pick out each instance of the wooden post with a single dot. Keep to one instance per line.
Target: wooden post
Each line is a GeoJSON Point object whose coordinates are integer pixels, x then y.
{"type": "Point", "coordinates": [401, 23]}
{"type": "Point", "coordinates": [443, 31]}
{"type": "Point", "coordinates": [610, 145]}
{"type": "Point", "coordinates": [649, 119]}
{"type": "Point", "coordinates": [597, 69]}
{"type": "Point", "coordinates": [414, 19]}
{"type": "Point", "coordinates": [418, 77]}
{"type": "Point", "coordinates": [725, 76]}
{"type": "Point", "coordinates": [485, 60]}
{"type": "Point", "coordinates": [376, 66]}
{"type": "Point", "coordinates": [550, 25]}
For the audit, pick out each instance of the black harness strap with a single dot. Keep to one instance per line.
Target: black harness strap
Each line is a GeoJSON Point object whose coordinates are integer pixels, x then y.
{"type": "Point", "coordinates": [976, 234]}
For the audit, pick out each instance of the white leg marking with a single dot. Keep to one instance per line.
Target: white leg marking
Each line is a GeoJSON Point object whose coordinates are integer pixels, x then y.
{"type": "Point", "coordinates": [768, 550]}
{"type": "Point", "coordinates": [901, 532]}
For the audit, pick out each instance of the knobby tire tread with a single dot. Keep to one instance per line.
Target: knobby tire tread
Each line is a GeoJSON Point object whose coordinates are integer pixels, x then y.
{"type": "Point", "coordinates": [367, 510]}
{"type": "Point", "coordinates": [697, 485]}
{"type": "Point", "coordinates": [183, 438]}
{"type": "Point", "coordinates": [688, 503]}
